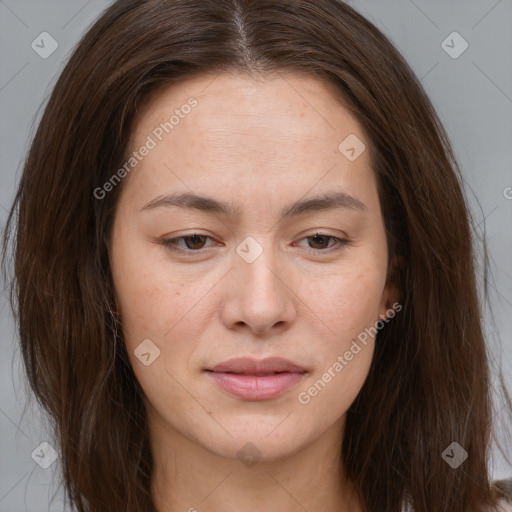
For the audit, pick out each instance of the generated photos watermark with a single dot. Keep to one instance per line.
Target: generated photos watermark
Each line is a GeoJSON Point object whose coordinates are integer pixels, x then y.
{"type": "Point", "coordinates": [305, 397]}
{"type": "Point", "coordinates": [152, 140]}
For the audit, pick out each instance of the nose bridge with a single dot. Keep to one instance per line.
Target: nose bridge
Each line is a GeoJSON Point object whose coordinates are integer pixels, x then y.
{"type": "Point", "coordinates": [262, 297]}
{"type": "Point", "coordinates": [257, 260]}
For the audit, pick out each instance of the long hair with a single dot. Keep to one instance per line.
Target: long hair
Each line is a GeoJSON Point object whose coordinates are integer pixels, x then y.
{"type": "Point", "coordinates": [429, 383]}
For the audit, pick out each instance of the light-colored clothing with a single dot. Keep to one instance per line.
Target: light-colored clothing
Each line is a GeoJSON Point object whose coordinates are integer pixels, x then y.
{"type": "Point", "coordinates": [504, 492]}
{"type": "Point", "coordinates": [505, 505]}
{"type": "Point", "coordinates": [504, 489]}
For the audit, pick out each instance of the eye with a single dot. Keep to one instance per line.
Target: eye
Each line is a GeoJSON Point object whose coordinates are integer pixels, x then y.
{"type": "Point", "coordinates": [195, 243]}
{"type": "Point", "coordinates": [320, 242]}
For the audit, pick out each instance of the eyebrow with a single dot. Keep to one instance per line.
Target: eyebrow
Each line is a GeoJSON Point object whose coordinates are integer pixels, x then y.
{"type": "Point", "coordinates": [328, 201]}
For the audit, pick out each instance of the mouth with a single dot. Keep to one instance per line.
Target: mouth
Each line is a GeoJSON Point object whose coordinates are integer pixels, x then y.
{"type": "Point", "coordinates": [251, 366]}
{"type": "Point", "coordinates": [254, 380]}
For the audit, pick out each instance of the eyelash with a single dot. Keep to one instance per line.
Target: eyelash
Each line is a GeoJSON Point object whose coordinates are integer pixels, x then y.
{"type": "Point", "coordinates": [171, 245]}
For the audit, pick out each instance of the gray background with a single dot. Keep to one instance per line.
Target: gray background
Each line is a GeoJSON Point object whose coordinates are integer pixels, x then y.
{"type": "Point", "coordinates": [472, 94]}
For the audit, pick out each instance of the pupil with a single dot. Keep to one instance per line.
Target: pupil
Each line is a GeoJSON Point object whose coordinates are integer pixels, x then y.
{"type": "Point", "coordinates": [319, 237]}
{"type": "Point", "coordinates": [195, 239]}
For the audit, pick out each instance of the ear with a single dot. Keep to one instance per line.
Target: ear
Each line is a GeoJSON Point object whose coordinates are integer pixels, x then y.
{"type": "Point", "coordinates": [392, 293]}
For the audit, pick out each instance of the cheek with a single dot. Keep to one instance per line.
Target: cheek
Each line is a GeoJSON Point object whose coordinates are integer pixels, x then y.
{"type": "Point", "coordinates": [349, 309]}
{"type": "Point", "coordinates": [150, 297]}
{"type": "Point", "coordinates": [330, 394]}
{"type": "Point", "coordinates": [153, 307]}
{"type": "Point", "coordinates": [156, 304]}
{"type": "Point", "coordinates": [142, 297]}
{"type": "Point", "coordinates": [349, 299]}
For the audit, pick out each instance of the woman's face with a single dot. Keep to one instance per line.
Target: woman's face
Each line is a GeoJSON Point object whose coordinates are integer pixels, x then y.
{"type": "Point", "coordinates": [273, 246]}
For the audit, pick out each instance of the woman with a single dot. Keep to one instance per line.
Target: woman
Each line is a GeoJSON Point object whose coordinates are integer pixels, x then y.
{"type": "Point", "coordinates": [195, 342]}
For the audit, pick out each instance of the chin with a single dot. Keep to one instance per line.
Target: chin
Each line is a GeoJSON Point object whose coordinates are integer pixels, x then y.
{"type": "Point", "coordinates": [258, 439]}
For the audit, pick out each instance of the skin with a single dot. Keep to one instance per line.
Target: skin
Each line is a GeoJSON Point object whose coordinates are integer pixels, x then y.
{"type": "Point", "coordinates": [261, 143]}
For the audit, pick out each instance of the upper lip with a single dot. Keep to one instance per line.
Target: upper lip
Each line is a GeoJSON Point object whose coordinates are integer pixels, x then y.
{"type": "Point", "coordinates": [250, 366]}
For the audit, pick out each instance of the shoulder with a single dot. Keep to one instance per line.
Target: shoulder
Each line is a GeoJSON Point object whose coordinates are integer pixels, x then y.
{"type": "Point", "coordinates": [503, 490]}
{"type": "Point", "coordinates": [505, 505]}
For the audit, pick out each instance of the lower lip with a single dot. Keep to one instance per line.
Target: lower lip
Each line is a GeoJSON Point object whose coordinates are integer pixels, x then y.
{"type": "Point", "coordinates": [253, 387]}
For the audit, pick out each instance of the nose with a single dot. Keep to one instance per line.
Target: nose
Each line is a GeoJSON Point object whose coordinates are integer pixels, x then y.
{"type": "Point", "coordinates": [260, 295]}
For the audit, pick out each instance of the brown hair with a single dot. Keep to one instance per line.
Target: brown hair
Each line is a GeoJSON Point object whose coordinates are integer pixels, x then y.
{"type": "Point", "coordinates": [429, 382]}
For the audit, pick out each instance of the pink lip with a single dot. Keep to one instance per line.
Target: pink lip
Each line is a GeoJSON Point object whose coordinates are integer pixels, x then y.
{"type": "Point", "coordinates": [251, 379]}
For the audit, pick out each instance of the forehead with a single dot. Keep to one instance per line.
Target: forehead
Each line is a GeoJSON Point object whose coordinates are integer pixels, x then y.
{"type": "Point", "coordinates": [275, 131]}
{"type": "Point", "coordinates": [220, 85]}
{"type": "Point", "coordinates": [263, 104]}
